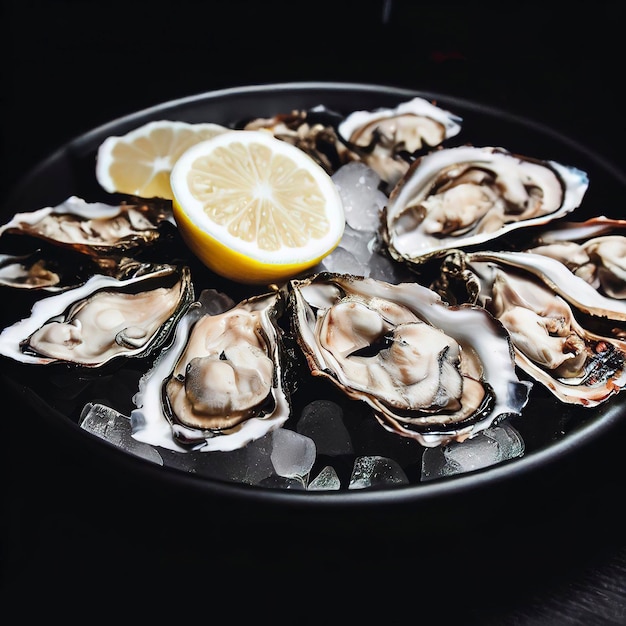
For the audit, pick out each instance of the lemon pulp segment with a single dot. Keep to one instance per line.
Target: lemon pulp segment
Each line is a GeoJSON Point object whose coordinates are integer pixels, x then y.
{"type": "Point", "coordinates": [260, 197]}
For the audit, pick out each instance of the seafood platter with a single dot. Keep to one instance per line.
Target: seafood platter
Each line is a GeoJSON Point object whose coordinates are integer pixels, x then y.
{"type": "Point", "coordinates": [473, 328]}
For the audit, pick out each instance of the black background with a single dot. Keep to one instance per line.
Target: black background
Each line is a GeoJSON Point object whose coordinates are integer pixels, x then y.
{"type": "Point", "coordinates": [549, 550]}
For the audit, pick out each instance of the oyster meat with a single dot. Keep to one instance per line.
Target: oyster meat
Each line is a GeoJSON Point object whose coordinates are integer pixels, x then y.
{"type": "Point", "coordinates": [463, 196]}
{"type": "Point", "coordinates": [555, 320]}
{"type": "Point", "coordinates": [220, 384]}
{"type": "Point", "coordinates": [431, 372]}
{"type": "Point", "coordinates": [387, 139]}
{"type": "Point", "coordinates": [103, 319]}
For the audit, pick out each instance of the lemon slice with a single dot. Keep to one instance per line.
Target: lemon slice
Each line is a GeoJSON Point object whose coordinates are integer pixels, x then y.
{"type": "Point", "coordinates": [139, 163]}
{"type": "Point", "coordinates": [254, 208]}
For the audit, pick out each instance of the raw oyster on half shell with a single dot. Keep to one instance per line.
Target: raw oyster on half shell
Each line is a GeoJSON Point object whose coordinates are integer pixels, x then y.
{"type": "Point", "coordinates": [465, 196]}
{"type": "Point", "coordinates": [29, 271]}
{"type": "Point", "coordinates": [102, 231]}
{"type": "Point", "coordinates": [103, 319]}
{"type": "Point", "coordinates": [431, 372]}
{"type": "Point", "coordinates": [387, 139]}
{"type": "Point", "coordinates": [558, 323]}
{"type": "Point", "coordinates": [221, 383]}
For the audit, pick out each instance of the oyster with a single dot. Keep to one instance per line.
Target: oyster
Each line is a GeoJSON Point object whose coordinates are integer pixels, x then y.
{"type": "Point", "coordinates": [28, 271]}
{"type": "Point", "coordinates": [220, 384]}
{"type": "Point", "coordinates": [431, 372]}
{"type": "Point", "coordinates": [103, 232]}
{"type": "Point", "coordinates": [103, 319]}
{"type": "Point", "coordinates": [542, 305]}
{"type": "Point", "coordinates": [387, 139]}
{"type": "Point", "coordinates": [467, 195]}
{"type": "Point", "coordinates": [594, 250]}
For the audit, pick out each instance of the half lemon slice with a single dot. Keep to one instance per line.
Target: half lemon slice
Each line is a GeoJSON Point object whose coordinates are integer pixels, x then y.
{"type": "Point", "coordinates": [254, 208]}
{"type": "Point", "coordinates": [139, 163]}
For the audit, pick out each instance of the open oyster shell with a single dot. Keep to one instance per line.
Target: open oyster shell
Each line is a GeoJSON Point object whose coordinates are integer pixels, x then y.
{"type": "Point", "coordinates": [103, 319]}
{"type": "Point", "coordinates": [558, 323]}
{"type": "Point", "coordinates": [465, 196]}
{"type": "Point", "coordinates": [102, 231]}
{"type": "Point", "coordinates": [431, 372]}
{"type": "Point", "coordinates": [29, 271]}
{"type": "Point", "coordinates": [387, 139]}
{"type": "Point", "coordinates": [220, 384]}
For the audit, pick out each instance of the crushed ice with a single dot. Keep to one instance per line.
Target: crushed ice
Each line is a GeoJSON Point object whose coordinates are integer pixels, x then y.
{"type": "Point", "coordinates": [376, 471]}
{"type": "Point", "coordinates": [360, 252]}
{"type": "Point", "coordinates": [363, 201]}
{"type": "Point", "coordinates": [112, 426]}
{"type": "Point", "coordinates": [489, 447]}
{"type": "Point", "coordinates": [285, 459]}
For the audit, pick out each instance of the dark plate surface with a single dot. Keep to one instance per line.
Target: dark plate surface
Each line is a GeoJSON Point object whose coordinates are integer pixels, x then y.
{"type": "Point", "coordinates": [549, 429]}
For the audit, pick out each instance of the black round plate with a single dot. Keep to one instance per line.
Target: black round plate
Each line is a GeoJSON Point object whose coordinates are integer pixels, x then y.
{"type": "Point", "coordinates": [550, 430]}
